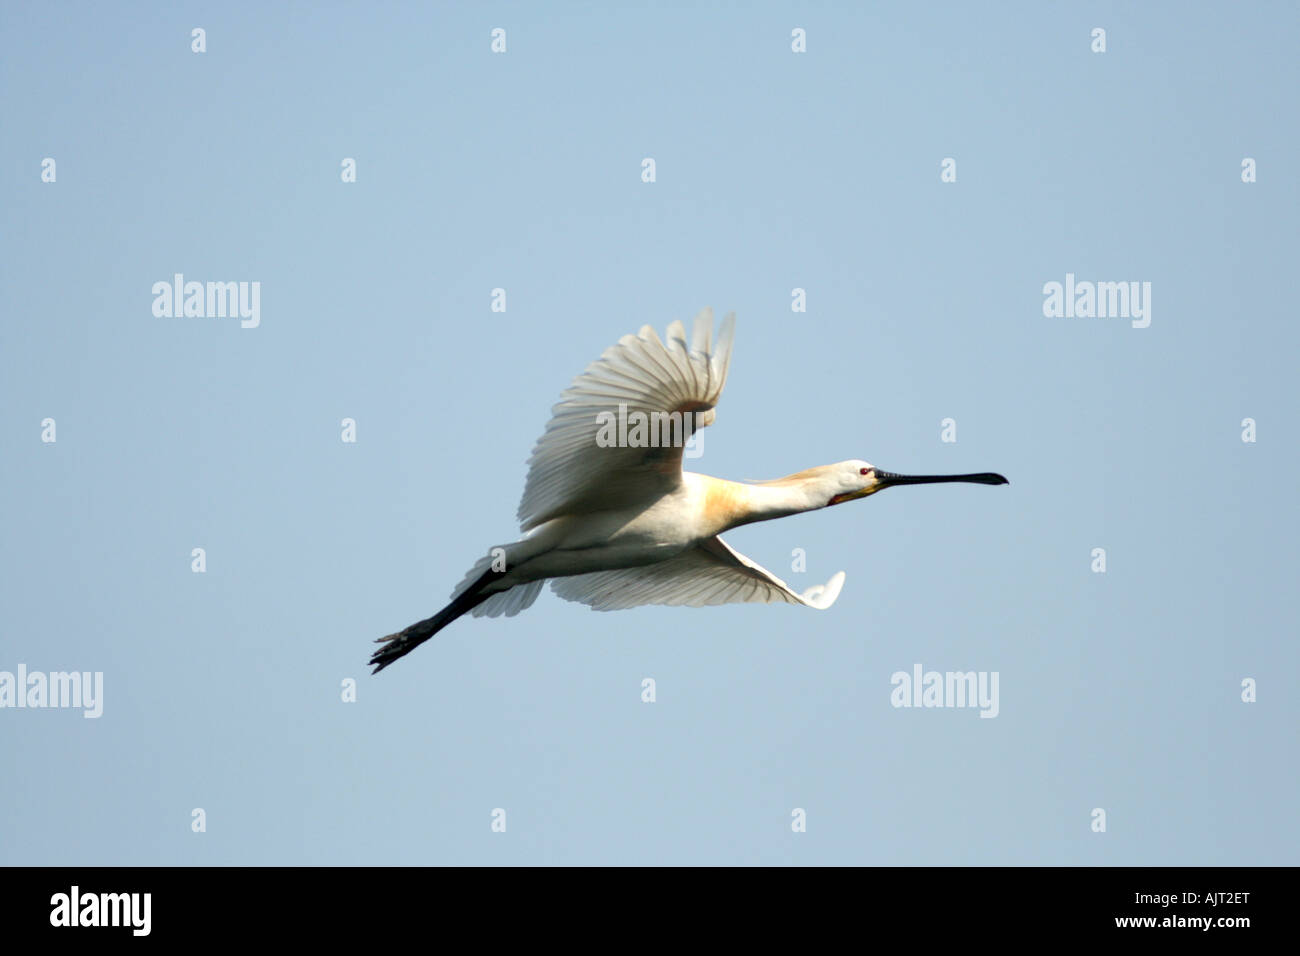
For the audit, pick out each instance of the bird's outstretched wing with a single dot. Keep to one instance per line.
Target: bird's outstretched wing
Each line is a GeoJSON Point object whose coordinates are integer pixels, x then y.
{"type": "Point", "coordinates": [712, 572]}
{"type": "Point", "coordinates": [574, 468]}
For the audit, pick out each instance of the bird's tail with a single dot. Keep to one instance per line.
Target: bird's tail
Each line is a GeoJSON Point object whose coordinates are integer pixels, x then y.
{"type": "Point", "coordinates": [408, 639]}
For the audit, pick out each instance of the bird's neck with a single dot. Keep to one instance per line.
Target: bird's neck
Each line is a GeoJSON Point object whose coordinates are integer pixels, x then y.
{"type": "Point", "coordinates": [730, 504]}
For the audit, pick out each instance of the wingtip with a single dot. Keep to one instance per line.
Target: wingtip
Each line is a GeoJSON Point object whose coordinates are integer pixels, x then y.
{"type": "Point", "coordinates": [675, 336]}
{"type": "Point", "coordinates": [822, 596]}
{"type": "Point", "coordinates": [722, 345]}
{"type": "Point", "coordinates": [702, 331]}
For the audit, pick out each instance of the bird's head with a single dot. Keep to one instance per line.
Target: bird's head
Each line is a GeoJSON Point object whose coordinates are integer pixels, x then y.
{"type": "Point", "coordinates": [858, 479]}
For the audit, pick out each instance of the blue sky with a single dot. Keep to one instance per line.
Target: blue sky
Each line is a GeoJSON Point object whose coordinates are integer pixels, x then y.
{"type": "Point", "coordinates": [775, 170]}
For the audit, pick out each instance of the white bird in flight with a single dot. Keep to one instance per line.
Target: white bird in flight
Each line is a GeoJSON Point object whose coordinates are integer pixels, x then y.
{"type": "Point", "coordinates": [610, 518]}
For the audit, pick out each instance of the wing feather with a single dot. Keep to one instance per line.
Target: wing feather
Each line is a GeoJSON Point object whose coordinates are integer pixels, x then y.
{"type": "Point", "coordinates": [570, 473]}
{"type": "Point", "coordinates": [709, 574]}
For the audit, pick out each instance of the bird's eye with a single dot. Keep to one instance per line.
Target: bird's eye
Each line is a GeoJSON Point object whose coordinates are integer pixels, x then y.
{"type": "Point", "coordinates": [864, 471]}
